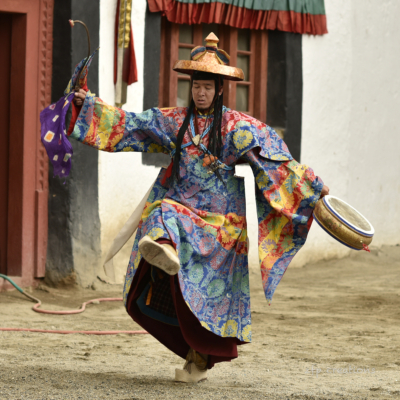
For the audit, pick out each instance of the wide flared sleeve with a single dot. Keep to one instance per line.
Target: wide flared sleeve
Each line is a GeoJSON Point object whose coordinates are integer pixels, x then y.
{"type": "Point", "coordinates": [243, 133]}
{"type": "Point", "coordinates": [112, 129]}
{"type": "Point", "coordinates": [286, 194]}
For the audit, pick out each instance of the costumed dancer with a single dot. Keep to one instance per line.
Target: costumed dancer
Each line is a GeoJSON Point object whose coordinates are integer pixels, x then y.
{"type": "Point", "coordinates": [187, 281]}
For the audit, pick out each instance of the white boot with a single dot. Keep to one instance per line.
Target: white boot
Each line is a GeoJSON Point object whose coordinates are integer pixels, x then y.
{"type": "Point", "coordinates": [162, 256]}
{"type": "Point", "coordinates": [190, 373]}
{"type": "Point", "coordinates": [194, 370]}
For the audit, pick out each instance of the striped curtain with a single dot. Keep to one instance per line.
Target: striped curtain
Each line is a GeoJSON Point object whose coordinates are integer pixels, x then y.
{"type": "Point", "coordinates": [298, 16]}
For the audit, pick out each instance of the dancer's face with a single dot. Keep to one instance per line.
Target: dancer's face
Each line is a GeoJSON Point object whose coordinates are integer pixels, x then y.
{"type": "Point", "coordinates": [203, 93]}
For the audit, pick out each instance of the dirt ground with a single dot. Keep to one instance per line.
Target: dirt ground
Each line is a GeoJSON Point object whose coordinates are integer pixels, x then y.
{"type": "Point", "coordinates": [332, 332]}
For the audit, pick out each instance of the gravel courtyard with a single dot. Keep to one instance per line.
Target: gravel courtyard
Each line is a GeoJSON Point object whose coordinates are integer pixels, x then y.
{"type": "Point", "coordinates": [332, 332]}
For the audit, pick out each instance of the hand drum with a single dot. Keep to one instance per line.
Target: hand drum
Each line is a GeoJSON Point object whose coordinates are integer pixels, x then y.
{"type": "Point", "coordinates": [344, 223]}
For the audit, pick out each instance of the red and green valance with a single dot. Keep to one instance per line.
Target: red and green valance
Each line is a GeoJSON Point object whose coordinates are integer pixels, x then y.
{"type": "Point", "coordinates": [298, 16]}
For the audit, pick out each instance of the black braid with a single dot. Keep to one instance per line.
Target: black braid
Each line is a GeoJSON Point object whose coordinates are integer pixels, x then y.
{"type": "Point", "coordinates": [218, 123]}
{"type": "Point", "coordinates": [179, 139]}
{"type": "Point", "coordinates": [215, 143]}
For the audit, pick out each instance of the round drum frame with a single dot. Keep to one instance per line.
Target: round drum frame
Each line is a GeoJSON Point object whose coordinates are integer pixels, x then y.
{"type": "Point", "coordinates": [339, 228]}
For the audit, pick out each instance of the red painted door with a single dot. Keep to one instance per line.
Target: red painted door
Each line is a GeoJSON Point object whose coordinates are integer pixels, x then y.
{"type": "Point", "coordinates": [25, 89]}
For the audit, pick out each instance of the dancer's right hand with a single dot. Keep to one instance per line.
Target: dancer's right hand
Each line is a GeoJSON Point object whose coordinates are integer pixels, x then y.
{"type": "Point", "coordinates": [79, 97]}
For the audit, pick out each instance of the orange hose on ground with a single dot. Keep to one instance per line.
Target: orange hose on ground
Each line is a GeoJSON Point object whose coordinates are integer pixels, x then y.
{"type": "Point", "coordinates": [68, 332]}
{"type": "Point", "coordinates": [80, 310]}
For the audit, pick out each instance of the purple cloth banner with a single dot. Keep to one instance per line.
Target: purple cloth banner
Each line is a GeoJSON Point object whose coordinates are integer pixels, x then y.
{"type": "Point", "coordinates": [52, 120]}
{"type": "Point", "coordinates": [54, 138]}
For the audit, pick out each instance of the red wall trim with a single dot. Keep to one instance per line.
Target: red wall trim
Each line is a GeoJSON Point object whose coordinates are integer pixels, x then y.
{"type": "Point", "coordinates": [29, 191]}
{"type": "Point", "coordinates": [42, 183]}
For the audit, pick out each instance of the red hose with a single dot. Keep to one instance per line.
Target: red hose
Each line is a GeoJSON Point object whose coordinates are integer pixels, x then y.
{"type": "Point", "coordinates": [80, 310]}
{"type": "Point", "coordinates": [67, 332]}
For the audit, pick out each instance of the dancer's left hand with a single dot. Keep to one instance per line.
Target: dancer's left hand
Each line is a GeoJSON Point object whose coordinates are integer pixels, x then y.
{"type": "Point", "coordinates": [324, 191]}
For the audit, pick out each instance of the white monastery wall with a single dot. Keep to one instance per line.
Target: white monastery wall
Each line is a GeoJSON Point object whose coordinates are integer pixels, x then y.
{"type": "Point", "coordinates": [350, 106]}
{"type": "Point", "coordinates": [349, 136]}
{"type": "Point", "coordinates": [123, 180]}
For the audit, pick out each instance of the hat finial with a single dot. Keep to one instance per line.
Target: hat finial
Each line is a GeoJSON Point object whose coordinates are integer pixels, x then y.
{"type": "Point", "coordinates": [212, 39]}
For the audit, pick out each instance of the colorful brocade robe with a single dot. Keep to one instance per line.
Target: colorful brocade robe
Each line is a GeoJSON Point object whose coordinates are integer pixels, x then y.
{"type": "Point", "coordinates": [205, 219]}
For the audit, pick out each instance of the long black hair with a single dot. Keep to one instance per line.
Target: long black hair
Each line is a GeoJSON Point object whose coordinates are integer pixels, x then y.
{"type": "Point", "coordinates": [215, 142]}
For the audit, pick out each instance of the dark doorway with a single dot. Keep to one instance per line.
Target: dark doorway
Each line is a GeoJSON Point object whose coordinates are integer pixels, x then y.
{"type": "Point", "coordinates": [5, 73]}
{"type": "Point", "coordinates": [12, 72]}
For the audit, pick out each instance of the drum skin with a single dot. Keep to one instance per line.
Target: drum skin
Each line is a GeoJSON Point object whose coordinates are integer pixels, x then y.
{"type": "Point", "coordinates": [338, 229]}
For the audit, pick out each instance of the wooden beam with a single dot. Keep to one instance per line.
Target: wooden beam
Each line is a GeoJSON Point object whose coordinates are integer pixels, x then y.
{"type": "Point", "coordinates": [172, 58]}
{"type": "Point", "coordinates": [162, 82]}
{"type": "Point", "coordinates": [42, 163]}
{"type": "Point", "coordinates": [252, 75]}
{"type": "Point", "coordinates": [197, 35]}
{"type": "Point", "coordinates": [261, 73]}
{"type": "Point", "coordinates": [230, 42]}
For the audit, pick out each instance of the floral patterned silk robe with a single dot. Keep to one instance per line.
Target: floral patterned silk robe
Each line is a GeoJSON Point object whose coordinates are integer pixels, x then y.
{"type": "Point", "coordinates": [205, 219]}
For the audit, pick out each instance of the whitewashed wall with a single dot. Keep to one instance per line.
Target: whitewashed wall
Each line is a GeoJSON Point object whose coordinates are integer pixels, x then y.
{"type": "Point", "coordinates": [350, 137]}
{"type": "Point", "coordinates": [123, 180]}
{"type": "Point", "coordinates": [350, 111]}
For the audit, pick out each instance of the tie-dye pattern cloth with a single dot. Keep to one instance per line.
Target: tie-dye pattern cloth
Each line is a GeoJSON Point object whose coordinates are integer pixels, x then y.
{"type": "Point", "coordinates": [205, 219]}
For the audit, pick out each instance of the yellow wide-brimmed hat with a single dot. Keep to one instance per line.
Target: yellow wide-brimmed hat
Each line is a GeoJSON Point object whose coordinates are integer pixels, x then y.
{"type": "Point", "coordinates": [209, 58]}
